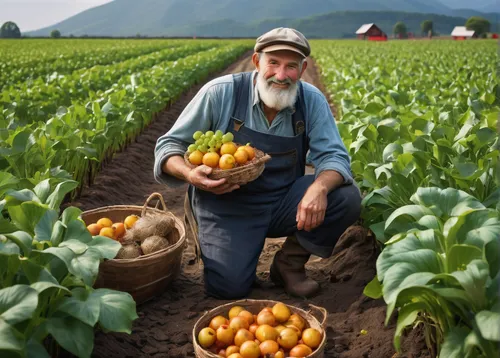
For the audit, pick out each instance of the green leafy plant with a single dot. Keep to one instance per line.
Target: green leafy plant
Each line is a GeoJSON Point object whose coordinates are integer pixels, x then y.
{"type": "Point", "coordinates": [48, 265]}
{"type": "Point", "coordinates": [441, 268]}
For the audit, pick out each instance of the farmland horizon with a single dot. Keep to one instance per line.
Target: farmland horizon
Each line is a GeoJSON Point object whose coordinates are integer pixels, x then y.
{"type": "Point", "coordinates": [195, 18]}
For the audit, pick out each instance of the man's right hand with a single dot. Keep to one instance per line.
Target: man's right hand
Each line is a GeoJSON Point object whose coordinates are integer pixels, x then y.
{"type": "Point", "coordinates": [199, 178]}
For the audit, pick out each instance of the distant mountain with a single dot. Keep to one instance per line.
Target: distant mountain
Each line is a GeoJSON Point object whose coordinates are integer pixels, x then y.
{"type": "Point", "coordinates": [185, 17]}
{"type": "Point", "coordinates": [478, 5]}
{"type": "Point", "coordinates": [339, 24]}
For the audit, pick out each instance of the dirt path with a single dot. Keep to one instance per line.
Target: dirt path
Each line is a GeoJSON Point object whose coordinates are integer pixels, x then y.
{"type": "Point", "coordinates": [165, 323]}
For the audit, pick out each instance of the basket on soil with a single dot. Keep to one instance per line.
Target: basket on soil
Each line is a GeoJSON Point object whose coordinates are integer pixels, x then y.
{"type": "Point", "coordinates": [149, 274]}
{"type": "Point", "coordinates": [254, 307]}
{"type": "Point", "coordinates": [241, 174]}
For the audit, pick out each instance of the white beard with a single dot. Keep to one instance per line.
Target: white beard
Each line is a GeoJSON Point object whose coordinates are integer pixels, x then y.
{"type": "Point", "coordinates": [276, 98]}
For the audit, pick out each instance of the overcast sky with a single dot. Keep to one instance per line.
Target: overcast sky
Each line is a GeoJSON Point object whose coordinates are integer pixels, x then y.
{"type": "Point", "coordinates": [35, 14]}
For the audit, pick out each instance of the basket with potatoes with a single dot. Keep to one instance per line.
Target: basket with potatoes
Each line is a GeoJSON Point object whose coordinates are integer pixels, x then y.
{"type": "Point", "coordinates": [152, 240]}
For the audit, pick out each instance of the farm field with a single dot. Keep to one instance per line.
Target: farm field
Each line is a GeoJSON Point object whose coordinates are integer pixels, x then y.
{"type": "Point", "coordinates": [78, 123]}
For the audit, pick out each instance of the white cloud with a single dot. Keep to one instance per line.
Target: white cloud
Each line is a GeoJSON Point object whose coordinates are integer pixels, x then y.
{"type": "Point", "coordinates": [32, 15]}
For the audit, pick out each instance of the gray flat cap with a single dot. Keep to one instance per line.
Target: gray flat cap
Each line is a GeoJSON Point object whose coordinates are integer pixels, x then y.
{"type": "Point", "coordinates": [283, 38]}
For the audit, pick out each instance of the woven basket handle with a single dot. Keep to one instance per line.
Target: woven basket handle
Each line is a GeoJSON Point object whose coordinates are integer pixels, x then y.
{"type": "Point", "coordinates": [151, 197]}
{"type": "Point", "coordinates": [265, 158]}
{"type": "Point", "coordinates": [323, 311]}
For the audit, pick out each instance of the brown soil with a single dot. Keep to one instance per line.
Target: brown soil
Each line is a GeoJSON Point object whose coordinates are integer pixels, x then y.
{"type": "Point", "coordinates": [165, 323]}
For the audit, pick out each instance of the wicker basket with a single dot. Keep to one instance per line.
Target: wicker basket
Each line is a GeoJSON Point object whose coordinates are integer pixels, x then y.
{"type": "Point", "coordinates": [255, 306]}
{"type": "Point", "coordinates": [242, 174]}
{"type": "Point", "coordinates": [148, 275]}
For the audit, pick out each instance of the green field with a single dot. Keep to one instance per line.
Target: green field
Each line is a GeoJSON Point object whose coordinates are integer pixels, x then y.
{"type": "Point", "coordinates": [420, 120]}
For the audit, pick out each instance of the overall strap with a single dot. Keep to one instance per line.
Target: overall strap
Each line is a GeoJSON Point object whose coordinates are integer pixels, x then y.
{"type": "Point", "coordinates": [299, 123]}
{"type": "Point", "coordinates": [241, 93]}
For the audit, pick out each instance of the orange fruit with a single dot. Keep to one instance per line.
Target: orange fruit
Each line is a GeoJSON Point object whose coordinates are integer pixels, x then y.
{"type": "Point", "coordinates": [108, 232]}
{"type": "Point", "coordinates": [104, 222]}
{"type": "Point", "coordinates": [196, 158]}
{"type": "Point", "coordinates": [241, 156]}
{"type": "Point", "coordinates": [250, 151]}
{"type": "Point", "coordinates": [130, 221]}
{"type": "Point", "coordinates": [211, 159]}
{"type": "Point", "coordinates": [119, 230]}
{"type": "Point", "coordinates": [94, 229]}
{"type": "Point", "coordinates": [228, 148]}
{"type": "Point", "coordinates": [227, 161]}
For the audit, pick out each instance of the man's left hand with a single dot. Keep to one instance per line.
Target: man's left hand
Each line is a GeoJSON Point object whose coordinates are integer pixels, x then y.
{"type": "Point", "coordinates": [312, 208]}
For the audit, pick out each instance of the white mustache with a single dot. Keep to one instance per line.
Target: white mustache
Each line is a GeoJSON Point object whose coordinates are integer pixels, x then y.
{"type": "Point", "coordinates": [288, 81]}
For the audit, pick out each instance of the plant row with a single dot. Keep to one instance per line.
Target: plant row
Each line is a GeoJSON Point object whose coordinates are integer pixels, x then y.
{"type": "Point", "coordinates": [420, 122]}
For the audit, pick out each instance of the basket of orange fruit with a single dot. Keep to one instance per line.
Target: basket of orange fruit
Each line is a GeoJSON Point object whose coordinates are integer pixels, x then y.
{"type": "Point", "coordinates": [238, 163]}
{"type": "Point", "coordinates": [260, 329]}
{"type": "Point", "coordinates": [152, 240]}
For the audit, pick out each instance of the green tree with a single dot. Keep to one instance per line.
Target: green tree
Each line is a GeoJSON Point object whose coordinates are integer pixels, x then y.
{"type": "Point", "coordinates": [400, 29]}
{"type": "Point", "coordinates": [427, 26]}
{"type": "Point", "coordinates": [479, 24]}
{"type": "Point", "coordinates": [10, 30]}
{"type": "Point", "coordinates": [55, 34]}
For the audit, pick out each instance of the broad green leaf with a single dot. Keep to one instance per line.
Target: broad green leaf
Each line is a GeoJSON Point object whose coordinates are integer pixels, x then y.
{"type": "Point", "coordinates": [460, 256]}
{"type": "Point", "coordinates": [118, 310]}
{"type": "Point", "coordinates": [72, 334]}
{"type": "Point", "coordinates": [408, 213]}
{"type": "Point", "coordinates": [10, 338]}
{"type": "Point", "coordinates": [17, 303]}
{"type": "Point", "coordinates": [474, 280]}
{"type": "Point", "coordinates": [69, 214]}
{"type": "Point", "coordinates": [43, 230]}
{"type": "Point", "coordinates": [57, 196]}
{"type": "Point", "coordinates": [26, 215]}
{"type": "Point", "coordinates": [86, 266]}
{"type": "Point", "coordinates": [488, 324]}
{"type": "Point", "coordinates": [108, 248]}
{"type": "Point", "coordinates": [453, 345]}
{"type": "Point", "coordinates": [76, 230]}
{"type": "Point", "coordinates": [21, 239]}
{"type": "Point", "coordinates": [391, 152]}
{"type": "Point", "coordinates": [36, 349]}
{"type": "Point", "coordinates": [63, 253]}
{"type": "Point", "coordinates": [373, 289]}
{"type": "Point", "coordinates": [446, 202]}
{"type": "Point", "coordinates": [36, 273]}
{"type": "Point", "coordinates": [82, 305]}
{"type": "Point", "coordinates": [42, 190]}
{"type": "Point", "coordinates": [76, 246]}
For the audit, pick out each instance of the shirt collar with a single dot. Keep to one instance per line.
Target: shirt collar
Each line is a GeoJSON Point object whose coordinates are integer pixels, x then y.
{"type": "Point", "coordinates": [256, 97]}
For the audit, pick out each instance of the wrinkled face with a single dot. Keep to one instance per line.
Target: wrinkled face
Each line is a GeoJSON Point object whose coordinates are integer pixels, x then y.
{"type": "Point", "coordinates": [278, 73]}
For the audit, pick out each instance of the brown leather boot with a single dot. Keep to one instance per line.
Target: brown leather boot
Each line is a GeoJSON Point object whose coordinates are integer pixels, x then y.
{"type": "Point", "coordinates": [288, 269]}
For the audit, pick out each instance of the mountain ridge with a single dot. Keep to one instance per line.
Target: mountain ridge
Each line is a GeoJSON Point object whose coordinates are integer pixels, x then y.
{"type": "Point", "coordinates": [182, 17]}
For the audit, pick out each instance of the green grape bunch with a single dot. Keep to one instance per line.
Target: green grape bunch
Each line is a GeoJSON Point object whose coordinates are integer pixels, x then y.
{"type": "Point", "coordinates": [209, 141]}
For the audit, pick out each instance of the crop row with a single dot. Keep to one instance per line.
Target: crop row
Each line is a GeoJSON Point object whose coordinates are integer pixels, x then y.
{"type": "Point", "coordinates": [419, 119]}
{"type": "Point", "coordinates": [78, 137]}
{"type": "Point", "coordinates": [35, 101]}
{"type": "Point", "coordinates": [22, 63]}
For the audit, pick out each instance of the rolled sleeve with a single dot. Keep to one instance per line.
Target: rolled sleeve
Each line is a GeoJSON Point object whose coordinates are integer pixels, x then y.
{"type": "Point", "coordinates": [327, 151]}
{"type": "Point", "coordinates": [197, 116]}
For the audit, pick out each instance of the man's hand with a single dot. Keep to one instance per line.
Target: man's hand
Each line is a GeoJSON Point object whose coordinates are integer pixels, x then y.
{"type": "Point", "coordinates": [199, 178]}
{"type": "Point", "coordinates": [312, 208]}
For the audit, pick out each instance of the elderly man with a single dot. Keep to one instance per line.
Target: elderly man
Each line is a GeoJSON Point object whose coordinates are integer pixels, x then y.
{"type": "Point", "coordinates": [284, 117]}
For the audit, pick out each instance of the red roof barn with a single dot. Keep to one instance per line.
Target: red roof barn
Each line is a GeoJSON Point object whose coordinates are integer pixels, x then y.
{"type": "Point", "coordinates": [371, 32]}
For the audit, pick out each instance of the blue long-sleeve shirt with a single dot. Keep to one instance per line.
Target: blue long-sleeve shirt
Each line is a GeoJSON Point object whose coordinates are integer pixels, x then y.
{"type": "Point", "coordinates": [211, 108]}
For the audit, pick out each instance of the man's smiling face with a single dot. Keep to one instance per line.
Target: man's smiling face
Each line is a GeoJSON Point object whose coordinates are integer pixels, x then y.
{"type": "Point", "coordinates": [278, 73]}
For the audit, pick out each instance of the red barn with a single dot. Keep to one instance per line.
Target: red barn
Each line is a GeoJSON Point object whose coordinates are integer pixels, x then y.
{"type": "Point", "coordinates": [371, 32]}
